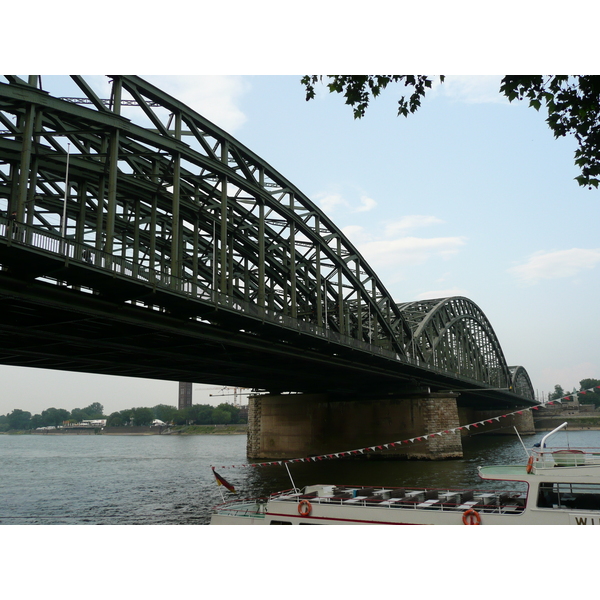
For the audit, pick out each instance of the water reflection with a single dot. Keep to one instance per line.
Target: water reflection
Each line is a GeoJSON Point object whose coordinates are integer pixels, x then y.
{"type": "Point", "coordinates": [457, 473]}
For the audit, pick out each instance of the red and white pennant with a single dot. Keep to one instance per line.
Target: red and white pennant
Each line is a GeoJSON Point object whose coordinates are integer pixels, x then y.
{"type": "Point", "coordinates": [412, 440]}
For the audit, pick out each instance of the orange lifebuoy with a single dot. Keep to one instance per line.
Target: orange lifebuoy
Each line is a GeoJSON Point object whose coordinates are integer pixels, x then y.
{"type": "Point", "coordinates": [304, 508]}
{"type": "Point", "coordinates": [471, 517]}
{"type": "Point", "coordinates": [530, 464]}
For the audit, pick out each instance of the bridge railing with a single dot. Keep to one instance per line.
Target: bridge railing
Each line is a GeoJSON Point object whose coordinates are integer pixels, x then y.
{"type": "Point", "coordinates": [54, 245]}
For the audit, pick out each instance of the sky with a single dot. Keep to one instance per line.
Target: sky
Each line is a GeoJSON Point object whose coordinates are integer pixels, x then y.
{"type": "Point", "coordinates": [471, 196]}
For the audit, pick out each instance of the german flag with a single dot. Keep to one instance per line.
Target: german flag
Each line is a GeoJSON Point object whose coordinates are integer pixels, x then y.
{"type": "Point", "coordinates": [222, 481]}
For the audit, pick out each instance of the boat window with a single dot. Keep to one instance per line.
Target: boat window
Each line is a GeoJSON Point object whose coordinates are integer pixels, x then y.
{"type": "Point", "coordinates": [273, 522]}
{"type": "Point", "coordinates": [579, 496]}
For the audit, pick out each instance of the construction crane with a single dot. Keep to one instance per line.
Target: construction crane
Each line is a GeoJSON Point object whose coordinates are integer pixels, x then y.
{"type": "Point", "coordinates": [237, 393]}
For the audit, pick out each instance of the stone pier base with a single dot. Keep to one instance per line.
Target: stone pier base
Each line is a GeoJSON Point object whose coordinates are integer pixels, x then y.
{"type": "Point", "coordinates": [299, 425]}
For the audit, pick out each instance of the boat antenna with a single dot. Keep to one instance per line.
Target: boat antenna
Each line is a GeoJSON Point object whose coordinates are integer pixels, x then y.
{"type": "Point", "coordinates": [522, 444]}
{"type": "Point", "coordinates": [543, 442]}
{"type": "Point", "coordinates": [290, 476]}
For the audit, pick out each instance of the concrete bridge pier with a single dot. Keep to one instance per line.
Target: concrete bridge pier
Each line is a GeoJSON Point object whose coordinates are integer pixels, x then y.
{"type": "Point", "coordinates": [299, 425]}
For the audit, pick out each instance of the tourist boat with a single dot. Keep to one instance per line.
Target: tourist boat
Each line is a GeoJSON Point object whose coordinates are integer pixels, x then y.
{"type": "Point", "coordinates": [561, 486]}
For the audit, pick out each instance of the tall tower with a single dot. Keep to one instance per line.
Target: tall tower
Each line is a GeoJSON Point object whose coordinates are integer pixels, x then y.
{"type": "Point", "coordinates": [185, 395]}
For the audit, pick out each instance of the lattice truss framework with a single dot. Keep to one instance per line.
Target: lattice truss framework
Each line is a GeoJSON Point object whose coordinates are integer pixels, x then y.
{"type": "Point", "coordinates": [205, 209]}
{"type": "Point", "coordinates": [177, 195]}
{"type": "Point", "coordinates": [454, 334]}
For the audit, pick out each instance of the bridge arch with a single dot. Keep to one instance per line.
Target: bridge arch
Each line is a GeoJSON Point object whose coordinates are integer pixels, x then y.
{"type": "Point", "coordinates": [453, 334]}
{"type": "Point", "coordinates": [521, 383]}
{"type": "Point", "coordinates": [143, 186]}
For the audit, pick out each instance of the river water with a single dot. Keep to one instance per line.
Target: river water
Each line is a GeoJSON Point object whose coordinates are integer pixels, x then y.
{"type": "Point", "coordinates": [167, 480]}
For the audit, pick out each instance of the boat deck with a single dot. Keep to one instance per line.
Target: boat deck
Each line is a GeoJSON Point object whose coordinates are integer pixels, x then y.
{"type": "Point", "coordinates": [503, 502]}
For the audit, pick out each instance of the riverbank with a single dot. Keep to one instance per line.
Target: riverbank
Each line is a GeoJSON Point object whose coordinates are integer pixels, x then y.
{"type": "Point", "coordinates": [209, 430]}
{"type": "Point", "coordinates": [141, 430]}
{"type": "Point", "coordinates": [575, 423]}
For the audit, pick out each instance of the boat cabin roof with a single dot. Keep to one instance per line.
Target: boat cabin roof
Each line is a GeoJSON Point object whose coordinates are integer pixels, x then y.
{"type": "Point", "coordinates": [504, 472]}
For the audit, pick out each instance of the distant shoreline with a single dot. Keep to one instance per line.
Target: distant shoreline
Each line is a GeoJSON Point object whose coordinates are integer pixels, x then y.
{"type": "Point", "coordinates": [141, 430]}
{"type": "Point", "coordinates": [541, 425]}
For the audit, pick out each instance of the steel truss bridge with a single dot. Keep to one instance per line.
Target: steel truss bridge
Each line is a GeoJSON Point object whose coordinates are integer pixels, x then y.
{"type": "Point", "coordinates": [139, 239]}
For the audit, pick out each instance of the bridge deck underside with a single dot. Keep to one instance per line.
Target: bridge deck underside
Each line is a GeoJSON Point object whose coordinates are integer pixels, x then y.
{"type": "Point", "coordinates": [46, 325]}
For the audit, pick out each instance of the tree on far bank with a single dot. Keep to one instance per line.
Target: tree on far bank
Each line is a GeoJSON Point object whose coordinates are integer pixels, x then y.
{"type": "Point", "coordinates": [19, 419]}
{"type": "Point", "coordinates": [589, 397]}
{"type": "Point", "coordinates": [233, 410]}
{"type": "Point", "coordinates": [557, 393]}
{"type": "Point", "coordinates": [94, 411]}
{"type": "Point", "coordinates": [221, 416]}
{"type": "Point", "coordinates": [165, 412]}
{"type": "Point", "coordinates": [142, 416]}
{"type": "Point", "coordinates": [54, 416]}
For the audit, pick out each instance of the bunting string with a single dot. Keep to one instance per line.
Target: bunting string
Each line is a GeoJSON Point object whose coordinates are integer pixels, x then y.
{"type": "Point", "coordinates": [412, 440]}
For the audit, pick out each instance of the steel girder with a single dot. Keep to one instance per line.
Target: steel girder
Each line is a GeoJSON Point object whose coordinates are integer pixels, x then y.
{"type": "Point", "coordinates": [181, 198]}
{"type": "Point", "coordinates": [453, 334]}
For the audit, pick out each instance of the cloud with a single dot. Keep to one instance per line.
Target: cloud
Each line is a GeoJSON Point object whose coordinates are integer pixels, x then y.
{"type": "Point", "coordinates": [472, 89]}
{"type": "Point", "coordinates": [556, 265]}
{"type": "Point", "coordinates": [329, 202]}
{"type": "Point", "coordinates": [366, 204]}
{"type": "Point", "coordinates": [357, 234]}
{"type": "Point", "coordinates": [390, 246]}
{"type": "Point", "coordinates": [409, 250]}
{"type": "Point", "coordinates": [215, 97]}
{"type": "Point", "coordinates": [447, 293]}
{"type": "Point", "coordinates": [410, 222]}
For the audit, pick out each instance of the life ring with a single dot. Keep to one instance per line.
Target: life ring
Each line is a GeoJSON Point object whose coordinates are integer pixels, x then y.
{"type": "Point", "coordinates": [304, 508]}
{"type": "Point", "coordinates": [471, 517]}
{"type": "Point", "coordinates": [530, 464]}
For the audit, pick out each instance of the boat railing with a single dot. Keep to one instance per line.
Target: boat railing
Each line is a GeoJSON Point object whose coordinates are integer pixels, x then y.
{"type": "Point", "coordinates": [242, 508]}
{"type": "Point", "coordinates": [548, 458]}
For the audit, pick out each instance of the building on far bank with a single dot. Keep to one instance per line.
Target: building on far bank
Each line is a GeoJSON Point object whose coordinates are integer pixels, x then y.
{"type": "Point", "coordinates": [185, 395]}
